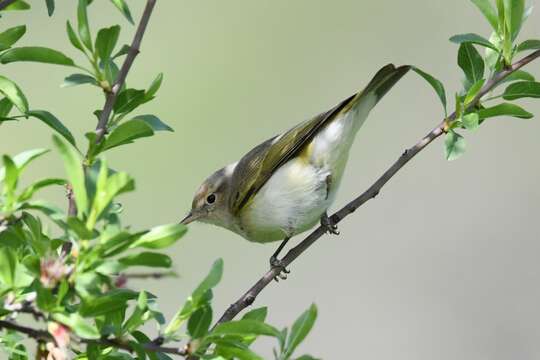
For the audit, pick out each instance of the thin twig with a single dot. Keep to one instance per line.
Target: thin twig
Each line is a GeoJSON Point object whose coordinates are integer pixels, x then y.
{"type": "Point", "coordinates": [5, 3]}
{"type": "Point", "coordinates": [42, 335]}
{"type": "Point", "coordinates": [247, 298]}
{"type": "Point", "coordinates": [101, 128]}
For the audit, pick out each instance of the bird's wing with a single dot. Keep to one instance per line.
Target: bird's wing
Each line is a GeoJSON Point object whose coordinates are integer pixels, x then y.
{"type": "Point", "coordinates": [257, 166]}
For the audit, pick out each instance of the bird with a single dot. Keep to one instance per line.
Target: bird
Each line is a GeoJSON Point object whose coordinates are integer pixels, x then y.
{"type": "Point", "coordinates": [285, 185]}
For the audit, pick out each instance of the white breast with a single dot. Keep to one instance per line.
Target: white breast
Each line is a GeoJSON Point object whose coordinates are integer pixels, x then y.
{"type": "Point", "coordinates": [295, 197]}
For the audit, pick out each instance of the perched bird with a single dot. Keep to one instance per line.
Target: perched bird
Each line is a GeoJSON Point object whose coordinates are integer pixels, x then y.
{"type": "Point", "coordinates": [285, 185]}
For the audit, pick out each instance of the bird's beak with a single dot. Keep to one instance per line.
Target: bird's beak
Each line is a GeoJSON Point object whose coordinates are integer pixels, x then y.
{"type": "Point", "coordinates": [189, 218]}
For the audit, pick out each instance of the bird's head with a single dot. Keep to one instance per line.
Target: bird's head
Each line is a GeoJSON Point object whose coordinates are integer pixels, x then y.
{"type": "Point", "coordinates": [211, 201]}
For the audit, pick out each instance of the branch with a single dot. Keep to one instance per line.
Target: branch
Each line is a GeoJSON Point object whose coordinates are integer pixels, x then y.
{"type": "Point", "coordinates": [101, 128]}
{"type": "Point", "coordinates": [248, 297]}
{"type": "Point", "coordinates": [42, 335]}
{"type": "Point", "coordinates": [5, 3]}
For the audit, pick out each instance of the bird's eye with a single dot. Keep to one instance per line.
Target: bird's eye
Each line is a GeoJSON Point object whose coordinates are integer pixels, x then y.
{"type": "Point", "coordinates": [210, 199]}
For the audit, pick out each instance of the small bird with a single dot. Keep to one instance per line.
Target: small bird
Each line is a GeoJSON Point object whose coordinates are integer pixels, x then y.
{"type": "Point", "coordinates": [285, 185]}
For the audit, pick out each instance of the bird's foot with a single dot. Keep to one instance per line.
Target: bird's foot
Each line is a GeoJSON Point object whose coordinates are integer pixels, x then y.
{"type": "Point", "coordinates": [276, 263]}
{"type": "Point", "coordinates": [329, 226]}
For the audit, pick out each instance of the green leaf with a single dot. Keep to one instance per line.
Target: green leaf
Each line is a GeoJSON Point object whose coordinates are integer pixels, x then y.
{"type": "Point", "coordinates": [11, 36]}
{"type": "Point", "coordinates": [473, 91]}
{"type": "Point", "coordinates": [124, 50]}
{"type": "Point", "coordinates": [230, 349]}
{"type": "Point", "coordinates": [106, 41]}
{"type": "Point", "coordinates": [79, 228]}
{"type": "Point", "coordinates": [127, 132]}
{"type": "Point", "coordinates": [72, 36]}
{"type": "Point", "coordinates": [245, 327]}
{"type": "Point", "coordinates": [29, 191]}
{"type": "Point", "coordinates": [197, 298]}
{"type": "Point", "coordinates": [128, 100]}
{"type": "Point", "coordinates": [300, 329]}
{"type": "Point", "coordinates": [8, 266]}
{"type": "Point", "coordinates": [454, 145]}
{"type": "Point", "coordinates": [199, 322]}
{"type": "Point", "coordinates": [306, 357]}
{"type": "Point", "coordinates": [471, 121]}
{"type": "Point", "coordinates": [154, 122]}
{"type": "Point", "coordinates": [14, 94]}
{"type": "Point", "coordinates": [23, 159]}
{"type": "Point", "coordinates": [18, 5]}
{"type": "Point", "coordinates": [110, 302]}
{"type": "Point", "coordinates": [35, 54]}
{"type": "Point", "coordinates": [79, 79]}
{"type": "Point", "coordinates": [488, 11]}
{"type": "Point", "coordinates": [161, 236]}
{"type": "Point", "coordinates": [514, 10]}
{"type": "Point", "coordinates": [522, 89]}
{"type": "Point", "coordinates": [5, 107]}
{"type": "Point", "coordinates": [504, 109]}
{"type": "Point", "coordinates": [528, 45]}
{"type": "Point", "coordinates": [50, 7]}
{"type": "Point", "coordinates": [473, 39]}
{"type": "Point", "coordinates": [470, 61]}
{"type": "Point", "coordinates": [11, 175]}
{"type": "Point", "coordinates": [74, 169]}
{"type": "Point", "coordinates": [54, 123]}
{"type": "Point", "coordinates": [435, 84]}
{"type": "Point", "coordinates": [147, 258]}
{"type": "Point", "coordinates": [518, 75]}
{"type": "Point", "coordinates": [136, 318]}
{"type": "Point", "coordinates": [124, 9]}
{"type": "Point", "coordinates": [107, 188]}
{"type": "Point", "coordinates": [79, 325]}
{"type": "Point", "coordinates": [258, 314]}
{"type": "Point", "coordinates": [84, 28]}
{"type": "Point", "coordinates": [154, 86]}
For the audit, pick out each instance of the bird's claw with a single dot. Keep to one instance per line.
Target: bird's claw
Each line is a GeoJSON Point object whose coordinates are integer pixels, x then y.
{"type": "Point", "coordinates": [276, 263]}
{"type": "Point", "coordinates": [329, 226]}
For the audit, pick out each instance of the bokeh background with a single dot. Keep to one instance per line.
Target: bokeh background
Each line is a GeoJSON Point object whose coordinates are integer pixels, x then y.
{"type": "Point", "coordinates": [442, 265]}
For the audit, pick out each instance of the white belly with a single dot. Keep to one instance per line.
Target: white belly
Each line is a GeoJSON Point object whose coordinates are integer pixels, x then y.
{"type": "Point", "coordinates": [295, 197]}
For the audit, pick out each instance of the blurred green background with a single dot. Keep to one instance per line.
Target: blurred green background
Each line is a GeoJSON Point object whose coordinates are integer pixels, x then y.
{"type": "Point", "coordinates": [443, 264]}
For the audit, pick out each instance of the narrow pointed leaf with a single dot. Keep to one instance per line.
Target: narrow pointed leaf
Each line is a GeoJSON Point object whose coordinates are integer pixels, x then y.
{"type": "Point", "coordinates": [14, 94]}
{"type": "Point", "coordinates": [84, 28]}
{"type": "Point", "coordinates": [454, 145]}
{"type": "Point", "coordinates": [11, 36]}
{"type": "Point", "coordinates": [470, 61]}
{"type": "Point", "coordinates": [154, 122]}
{"type": "Point", "coordinates": [505, 109]}
{"type": "Point", "coordinates": [124, 9]}
{"type": "Point", "coordinates": [127, 132]}
{"type": "Point", "coordinates": [435, 84]}
{"type": "Point", "coordinates": [522, 89]}
{"type": "Point", "coordinates": [473, 39]}
{"type": "Point", "coordinates": [73, 38]}
{"type": "Point", "coordinates": [23, 159]}
{"type": "Point", "coordinates": [74, 170]}
{"type": "Point", "coordinates": [160, 237]}
{"type": "Point", "coordinates": [79, 79]}
{"type": "Point", "coordinates": [528, 45]}
{"type": "Point", "coordinates": [300, 329]}
{"type": "Point", "coordinates": [488, 11]}
{"type": "Point", "coordinates": [35, 54]}
{"type": "Point", "coordinates": [54, 123]}
{"type": "Point", "coordinates": [50, 7]}
{"type": "Point", "coordinates": [106, 41]}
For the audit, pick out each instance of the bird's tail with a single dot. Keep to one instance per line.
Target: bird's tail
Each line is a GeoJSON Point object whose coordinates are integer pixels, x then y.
{"type": "Point", "coordinates": [382, 82]}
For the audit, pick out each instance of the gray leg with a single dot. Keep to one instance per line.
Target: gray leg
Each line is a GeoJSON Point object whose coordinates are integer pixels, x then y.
{"type": "Point", "coordinates": [276, 263]}
{"type": "Point", "coordinates": [327, 223]}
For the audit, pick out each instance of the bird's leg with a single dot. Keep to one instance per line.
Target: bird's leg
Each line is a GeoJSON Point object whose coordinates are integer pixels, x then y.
{"type": "Point", "coordinates": [327, 223]}
{"type": "Point", "coordinates": [276, 263]}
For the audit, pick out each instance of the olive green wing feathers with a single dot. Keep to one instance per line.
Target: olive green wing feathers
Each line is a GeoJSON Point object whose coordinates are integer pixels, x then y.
{"type": "Point", "coordinates": [257, 166]}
